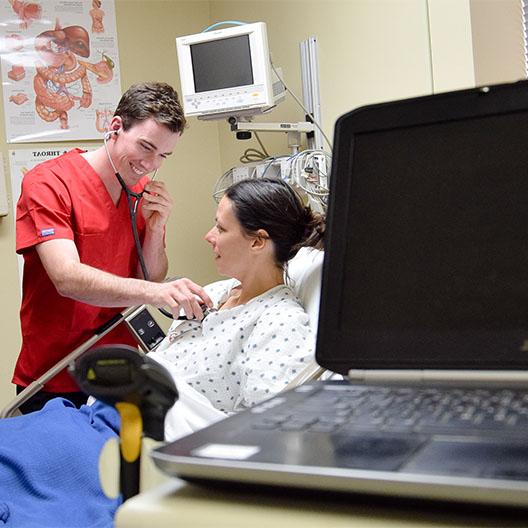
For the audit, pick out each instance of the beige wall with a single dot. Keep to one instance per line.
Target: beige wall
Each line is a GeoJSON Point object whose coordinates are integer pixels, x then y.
{"type": "Point", "coordinates": [9, 295]}
{"type": "Point", "coordinates": [498, 51]}
{"type": "Point", "coordinates": [369, 51]}
{"type": "Point", "coordinates": [451, 46]}
{"type": "Point", "coordinates": [193, 168]}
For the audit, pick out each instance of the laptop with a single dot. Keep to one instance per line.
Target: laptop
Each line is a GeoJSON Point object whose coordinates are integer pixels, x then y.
{"type": "Point", "coordinates": [424, 311]}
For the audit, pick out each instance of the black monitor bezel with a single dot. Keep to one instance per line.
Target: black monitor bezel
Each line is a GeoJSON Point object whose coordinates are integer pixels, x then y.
{"type": "Point", "coordinates": [332, 348]}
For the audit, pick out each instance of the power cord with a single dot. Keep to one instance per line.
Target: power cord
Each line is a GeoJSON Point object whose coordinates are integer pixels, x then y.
{"type": "Point", "coordinates": [252, 154]}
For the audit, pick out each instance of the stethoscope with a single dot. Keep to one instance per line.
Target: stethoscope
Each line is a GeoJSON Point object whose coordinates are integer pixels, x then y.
{"type": "Point", "coordinates": [133, 199]}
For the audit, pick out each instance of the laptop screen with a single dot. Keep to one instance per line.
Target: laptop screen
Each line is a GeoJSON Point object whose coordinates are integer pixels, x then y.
{"type": "Point", "coordinates": [426, 261]}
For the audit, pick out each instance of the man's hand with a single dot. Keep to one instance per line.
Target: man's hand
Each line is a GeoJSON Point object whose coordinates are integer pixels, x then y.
{"type": "Point", "coordinates": [156, 205]}
{"type": "Point", "coordinates": [181, 294]}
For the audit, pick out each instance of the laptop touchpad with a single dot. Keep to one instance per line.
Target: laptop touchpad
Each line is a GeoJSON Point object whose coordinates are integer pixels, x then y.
{"type": "Point", "coordinates": [376, 452]}
{"type": "Point", "coordinates": [472, 458]}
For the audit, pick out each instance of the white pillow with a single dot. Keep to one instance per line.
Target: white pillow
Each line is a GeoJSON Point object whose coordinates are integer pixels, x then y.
{"type": "Point", "coordinates": [304, 271]}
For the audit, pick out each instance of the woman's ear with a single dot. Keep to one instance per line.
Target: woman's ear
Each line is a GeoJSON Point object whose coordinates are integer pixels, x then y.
{"type": "Point", "coordinates": [260, 239]}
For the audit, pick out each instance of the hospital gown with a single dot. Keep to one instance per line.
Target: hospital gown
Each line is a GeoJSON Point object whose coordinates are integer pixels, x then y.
{"type": "Point", "coordinates": [240, 356]}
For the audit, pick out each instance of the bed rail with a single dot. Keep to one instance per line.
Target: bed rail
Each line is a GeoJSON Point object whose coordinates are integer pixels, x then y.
{"type": "Point", "coordinates": [37, 385]}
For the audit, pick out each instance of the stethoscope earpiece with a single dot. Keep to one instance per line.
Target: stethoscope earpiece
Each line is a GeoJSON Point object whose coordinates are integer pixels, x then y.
{"type": "Point", "coordinates": [110, 133]}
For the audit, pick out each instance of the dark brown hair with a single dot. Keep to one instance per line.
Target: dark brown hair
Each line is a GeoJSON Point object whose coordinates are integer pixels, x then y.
{"type": "Point", "coordinates": [273, 205]}
{"type": "Point", "coordinates": [155, 100]}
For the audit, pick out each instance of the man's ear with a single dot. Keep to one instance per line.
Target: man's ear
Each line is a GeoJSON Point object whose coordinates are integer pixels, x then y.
{"type": "Point", "coordinates": [116, 124]}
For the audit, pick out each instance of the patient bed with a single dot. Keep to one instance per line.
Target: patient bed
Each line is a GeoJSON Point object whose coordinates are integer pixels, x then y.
{"type": "Point", "coordinates": [304, 274]}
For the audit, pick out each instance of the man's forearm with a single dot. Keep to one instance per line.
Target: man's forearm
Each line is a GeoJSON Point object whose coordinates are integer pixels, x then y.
{"type": "Point", "coordinates": [92, 286]}
{"type": "Point", "coordinates": [155, 256]}
{"type": "Point", "coordinates": [100, 288]}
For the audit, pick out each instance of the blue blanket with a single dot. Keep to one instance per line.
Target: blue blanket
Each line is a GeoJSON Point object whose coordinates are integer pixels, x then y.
{"type": "Point", "coordinates": [49, 467]}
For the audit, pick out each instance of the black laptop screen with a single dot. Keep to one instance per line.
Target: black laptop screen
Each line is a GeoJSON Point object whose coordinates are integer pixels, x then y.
{"type": "Point", "coordinates": [427, 264]}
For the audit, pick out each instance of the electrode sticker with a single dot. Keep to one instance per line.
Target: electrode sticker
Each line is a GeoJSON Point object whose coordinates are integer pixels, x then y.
{"type": "Point", "coordinates": [233, 452]}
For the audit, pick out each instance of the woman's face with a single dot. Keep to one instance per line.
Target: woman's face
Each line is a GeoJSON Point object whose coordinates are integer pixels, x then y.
{"type": "Point", "coordinates": [230, 244]}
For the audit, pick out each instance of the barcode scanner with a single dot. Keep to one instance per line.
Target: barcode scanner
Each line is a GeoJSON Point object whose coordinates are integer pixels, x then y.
{"type": "Point", "coordinates": [140, 389]}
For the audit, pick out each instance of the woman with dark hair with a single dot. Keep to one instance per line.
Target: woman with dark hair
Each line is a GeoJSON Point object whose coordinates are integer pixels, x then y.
{"type": "Point", "coordinates": [257, 338]}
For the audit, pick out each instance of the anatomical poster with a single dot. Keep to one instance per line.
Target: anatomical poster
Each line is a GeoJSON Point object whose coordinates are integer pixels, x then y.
{"type": "Point", "coordinates": [60, 68]}
{"type": "Point", "coordinates": [22, 160]}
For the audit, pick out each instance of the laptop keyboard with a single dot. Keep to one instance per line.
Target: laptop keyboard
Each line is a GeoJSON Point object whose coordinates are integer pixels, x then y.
{"type": "Point", "coordinates": [428, 410]}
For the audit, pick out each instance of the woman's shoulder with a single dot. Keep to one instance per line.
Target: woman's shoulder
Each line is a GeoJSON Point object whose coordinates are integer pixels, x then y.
{"type": "Point", "coordinates": [283, 293]}
{"type": "Point", "coordinates": [283, 315]}
{"type": "Point", "coordinates": [282, 299]}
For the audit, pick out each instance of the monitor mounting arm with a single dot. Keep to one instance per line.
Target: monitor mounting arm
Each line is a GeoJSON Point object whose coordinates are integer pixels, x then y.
{"type": "Point", "coordinates": [294, 130]}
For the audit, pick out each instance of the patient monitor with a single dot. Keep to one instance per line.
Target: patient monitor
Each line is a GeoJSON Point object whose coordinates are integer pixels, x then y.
{"type": "Point", "coordinates": [227, 72]}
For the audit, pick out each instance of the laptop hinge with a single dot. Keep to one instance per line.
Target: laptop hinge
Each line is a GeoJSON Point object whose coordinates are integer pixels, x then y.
{"type": "Point", "coordinates": [441, 376]}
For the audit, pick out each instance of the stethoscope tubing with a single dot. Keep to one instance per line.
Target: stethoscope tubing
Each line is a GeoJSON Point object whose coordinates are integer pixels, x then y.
{"type": "Point", "coordinates": [133, 200]}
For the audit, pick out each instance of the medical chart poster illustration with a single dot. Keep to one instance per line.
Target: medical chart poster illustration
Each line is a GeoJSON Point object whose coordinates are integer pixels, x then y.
{"type": "Point", "coordinates": [60, 68]}
{"type": "Point", "coordinates": [23, 160]}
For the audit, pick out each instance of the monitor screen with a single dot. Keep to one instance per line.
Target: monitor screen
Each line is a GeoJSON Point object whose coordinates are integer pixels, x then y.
{"type": "Point", "coordinates": [224, 63]}
{"type": "Point", "coordinates": [226, 72]}
{"type": "Point", "coordinates": [427, 264]}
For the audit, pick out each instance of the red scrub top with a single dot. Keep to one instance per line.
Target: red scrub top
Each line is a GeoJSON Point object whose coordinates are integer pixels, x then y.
{"type": "Point", "coordinates": [65, 198]}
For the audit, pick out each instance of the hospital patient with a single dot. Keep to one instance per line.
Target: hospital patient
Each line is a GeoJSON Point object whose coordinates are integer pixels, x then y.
{"type": "Point", "coordinates": [257, 338]}
{"type": "Point", "coordinates": [247, 349]}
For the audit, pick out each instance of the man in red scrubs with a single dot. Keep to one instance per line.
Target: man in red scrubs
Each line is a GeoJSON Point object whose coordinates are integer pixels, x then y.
{"type": "Point", "coordinates": [73, 229]}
